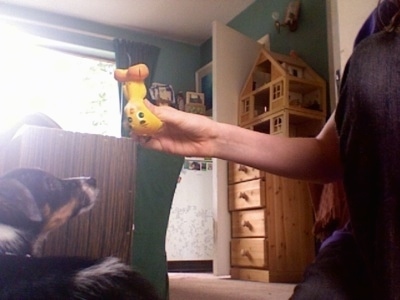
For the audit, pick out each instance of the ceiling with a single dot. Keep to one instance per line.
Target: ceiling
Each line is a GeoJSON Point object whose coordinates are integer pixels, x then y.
{"type": "Point", "coordinates": [188, 21]}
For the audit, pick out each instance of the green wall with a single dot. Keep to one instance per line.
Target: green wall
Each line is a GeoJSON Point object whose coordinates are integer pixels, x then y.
{"type": "Point", "coordinates": [310, 39]}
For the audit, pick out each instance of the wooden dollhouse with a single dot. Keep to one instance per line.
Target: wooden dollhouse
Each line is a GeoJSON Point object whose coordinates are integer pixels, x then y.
{"type": "Point", "coordinates": [272, 216]}
{"type": "Point", "coordinates": [281, 92]}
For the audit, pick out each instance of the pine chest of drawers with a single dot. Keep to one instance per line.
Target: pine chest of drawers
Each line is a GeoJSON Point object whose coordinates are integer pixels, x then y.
{"type": "Point", "coordinates": [272, 216]}
{"type": "Point", "coordinates": [271, 239]}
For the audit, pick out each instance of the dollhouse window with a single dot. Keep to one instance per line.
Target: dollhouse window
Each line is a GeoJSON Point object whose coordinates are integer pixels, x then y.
{"type": "Point", "coordinates": [295, 71]}
{"type": "Point", "coordinates": [277, 90]}
{"type": "Point", "coordinates": [246, 105]}
{"type": "Point", "coordinates": [277, 124]}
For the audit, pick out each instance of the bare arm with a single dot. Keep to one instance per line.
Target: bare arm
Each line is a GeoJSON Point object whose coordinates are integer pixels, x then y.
{"type": "Point", "coordinates": [314, 159]}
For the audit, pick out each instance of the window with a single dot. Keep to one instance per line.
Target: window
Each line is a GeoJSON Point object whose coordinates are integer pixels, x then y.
{"type": "Point", "coordinates": [278, 121]}
{"type": "Point", "coordinates": [77, 92]}
{"type": "Point", "coordinates": [277, 91]}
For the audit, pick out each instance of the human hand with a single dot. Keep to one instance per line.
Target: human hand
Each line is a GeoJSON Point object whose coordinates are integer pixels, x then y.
{"type": "Point", "coordinates": [182, 133]}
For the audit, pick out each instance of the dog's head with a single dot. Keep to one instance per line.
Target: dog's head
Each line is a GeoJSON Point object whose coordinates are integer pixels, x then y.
{"type": "Point", "coordinates": [37, 201]}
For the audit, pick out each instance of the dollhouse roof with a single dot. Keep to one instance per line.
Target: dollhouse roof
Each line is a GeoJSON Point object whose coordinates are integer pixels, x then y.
{"type": "Point", "coordinates": [282, 65]}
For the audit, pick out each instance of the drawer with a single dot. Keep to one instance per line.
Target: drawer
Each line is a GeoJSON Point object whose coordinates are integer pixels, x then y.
{"type": "Point", "coordinates": [238, 172]}
{"type": "Point", "coordinates": [248, 194]}
{"type": "Point", "coordinates": [248, 274]}
{"type": "Point", "coordinates": [249, 253]}
{"type": "Point", "coordinates": [249, 223]}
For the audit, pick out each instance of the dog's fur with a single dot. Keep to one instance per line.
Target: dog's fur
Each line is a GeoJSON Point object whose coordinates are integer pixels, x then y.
{"type": "Point", "coordinates": [33, 203]}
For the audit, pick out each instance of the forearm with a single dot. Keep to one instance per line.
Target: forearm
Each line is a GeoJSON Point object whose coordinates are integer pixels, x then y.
{"type": "Point", "coordinates": [314, 159]}
{"type": "Point", "coordinates": [301, 158]}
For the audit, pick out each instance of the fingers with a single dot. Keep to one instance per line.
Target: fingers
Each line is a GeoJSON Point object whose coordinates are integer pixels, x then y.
{"type": "Point", "coordinates": [141, 139]}
{"type": "Point", "coordinates": [164, 113]}
{"type": "Point", "coordinates": [149, 105]}
{"type": "Point", "coordinates": [149, 142]}
{"type": "Point", "coordinates": [144, 139]}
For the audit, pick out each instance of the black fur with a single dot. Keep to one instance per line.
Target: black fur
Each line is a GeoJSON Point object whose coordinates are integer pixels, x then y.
{"type": "Point", "coordinates": [32, 203]}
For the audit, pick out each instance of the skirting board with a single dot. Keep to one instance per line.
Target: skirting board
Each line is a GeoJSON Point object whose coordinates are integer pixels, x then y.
{"type": "Point", "coordinates": [190, 266]}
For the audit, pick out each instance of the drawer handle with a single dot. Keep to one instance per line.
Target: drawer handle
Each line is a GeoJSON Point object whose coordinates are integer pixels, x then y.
{"type": "Point", "coordinates": [244, 252]}
{"type": "Point", "coordinates": [243, 168]}
{"type": "Point", "coordinates": [247, 224]}
{"type": "Point", "coordinates": [243, 196]}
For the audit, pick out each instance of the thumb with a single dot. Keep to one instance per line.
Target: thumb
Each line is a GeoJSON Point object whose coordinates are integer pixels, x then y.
{"type": "Point", "coordinates": [164, 113]}
{"type": "Point", "coordinates": [149, 105]}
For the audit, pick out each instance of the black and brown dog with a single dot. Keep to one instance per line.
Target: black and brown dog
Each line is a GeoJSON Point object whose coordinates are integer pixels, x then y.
{"type": "Point", "coordinates": [33, 203]}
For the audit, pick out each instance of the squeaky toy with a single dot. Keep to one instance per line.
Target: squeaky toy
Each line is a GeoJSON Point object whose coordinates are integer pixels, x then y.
{"type": "Point", "coordinates": [141, 120]}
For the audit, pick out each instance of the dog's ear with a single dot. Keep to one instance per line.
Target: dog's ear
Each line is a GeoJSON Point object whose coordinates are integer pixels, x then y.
{"type": "Point", "coordinates": [16, 199]}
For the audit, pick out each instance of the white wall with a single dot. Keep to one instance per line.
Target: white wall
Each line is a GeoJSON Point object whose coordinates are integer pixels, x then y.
{"type": "Point", "coordinates": [344, 18]}
{"type": "Point", "coordinates": [351, 16]}
{"type": "Point", "coordinates": [190, 229]}
{"type": "Point", "coordinates": [234, 55]}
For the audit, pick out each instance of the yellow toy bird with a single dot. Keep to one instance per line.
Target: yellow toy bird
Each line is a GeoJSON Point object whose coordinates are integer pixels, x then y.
{"type": "Point", "coordinates": [141, 120]}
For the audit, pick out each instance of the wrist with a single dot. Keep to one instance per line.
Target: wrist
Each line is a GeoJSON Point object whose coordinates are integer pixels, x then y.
{"type": "Point", "coordinates": [223, 140]}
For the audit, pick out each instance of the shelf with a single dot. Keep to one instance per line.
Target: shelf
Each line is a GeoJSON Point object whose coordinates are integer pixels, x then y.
{"type": "Point", "coordinates": [289, 122]}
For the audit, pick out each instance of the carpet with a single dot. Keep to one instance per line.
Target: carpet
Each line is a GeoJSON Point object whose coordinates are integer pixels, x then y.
{"type": "Point", "coordinates": [199, 286]}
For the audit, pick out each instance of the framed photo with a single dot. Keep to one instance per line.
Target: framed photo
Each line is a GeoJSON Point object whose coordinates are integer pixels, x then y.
{"type": "Point", "coordinates": [194, 98]}
{"type": "Point", "coordinates": [180, 101]}
{"type": "Point", "coordinates": [162, 94]}
{"type": "Point", "coordinates": [193, 108]}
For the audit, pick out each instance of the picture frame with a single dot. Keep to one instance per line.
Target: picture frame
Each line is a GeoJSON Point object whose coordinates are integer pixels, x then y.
{"type": "Point", "coordinates": [199, 109]}
{"type": "Point", "coordinates": [162, 94]}
{"type": "Point", "coordinates": [180, 101]}
{"type": "Point", "coordinates": [194, 98]}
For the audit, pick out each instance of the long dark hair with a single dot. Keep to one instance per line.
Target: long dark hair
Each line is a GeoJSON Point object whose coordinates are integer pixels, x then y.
{"type": "Point", "coordinates": [388, 17]}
